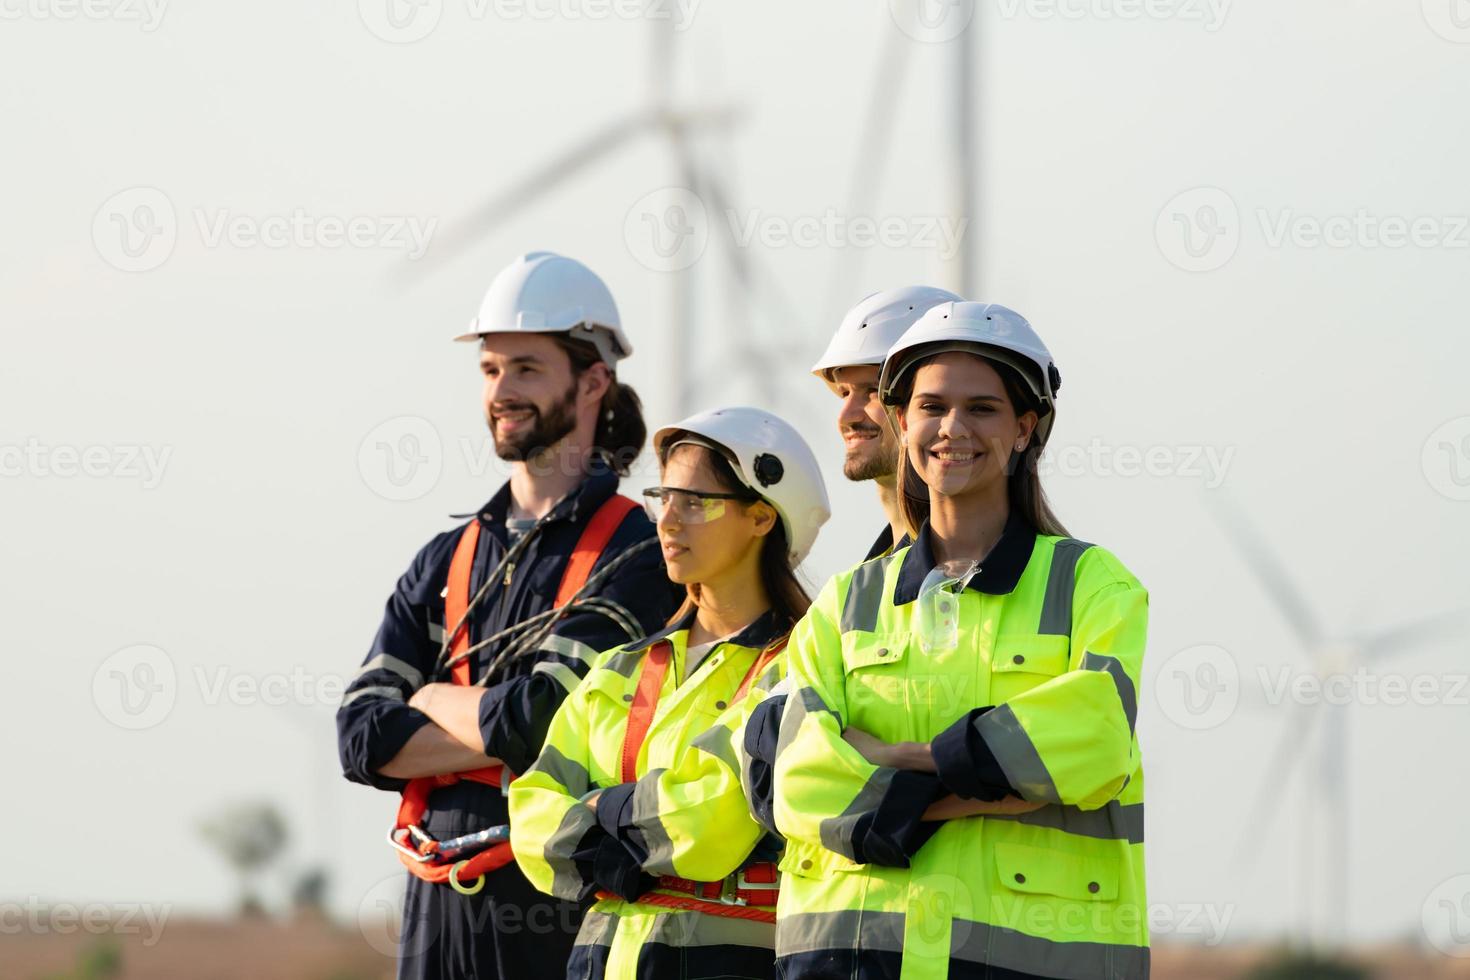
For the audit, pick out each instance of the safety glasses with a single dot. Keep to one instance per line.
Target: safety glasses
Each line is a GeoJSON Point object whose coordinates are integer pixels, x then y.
{"type": "Point", "coordinates": [687, 506]}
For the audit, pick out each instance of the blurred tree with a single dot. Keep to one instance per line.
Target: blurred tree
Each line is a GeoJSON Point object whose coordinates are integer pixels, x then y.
{"type": "Point", "coordinates": [1289, 965]}
{"type": "Point", "coordinates": [249, 836]}
{"type": "Point", "coordinates": [100, 961]}
{"type": "Point", "coordinates": [309, 893]}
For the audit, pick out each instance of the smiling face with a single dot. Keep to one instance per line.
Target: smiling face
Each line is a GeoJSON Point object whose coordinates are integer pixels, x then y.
{"type": "Point", "coordinates": [960, 426]}
{"type": "Point", "coordinates": [872, 447]}
{"type": "Point", "coordinates": [532, 398]}
{"type": "Point", "coordinates": [699, 553]}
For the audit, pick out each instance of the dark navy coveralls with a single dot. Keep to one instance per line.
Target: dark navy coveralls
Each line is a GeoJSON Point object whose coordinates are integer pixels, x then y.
{"type": "Point", "coordinates": [508, 930]}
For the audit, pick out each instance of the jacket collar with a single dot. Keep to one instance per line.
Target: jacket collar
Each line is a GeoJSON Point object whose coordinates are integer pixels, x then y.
{"type": "Point", "coordinates": [884, 544]}
{"type": "Point", "coordinates": [999, 572]}
{"type": "Point", "coordinates": [762, 631]}
{"type": "Point", "coordinates": [600, 484]}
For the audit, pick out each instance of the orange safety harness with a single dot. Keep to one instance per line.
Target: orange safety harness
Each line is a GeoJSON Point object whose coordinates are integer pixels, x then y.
{"type": "Point", "coordinates": [732, 898]}
{"type": "Point", "coordinates": [414, 805]}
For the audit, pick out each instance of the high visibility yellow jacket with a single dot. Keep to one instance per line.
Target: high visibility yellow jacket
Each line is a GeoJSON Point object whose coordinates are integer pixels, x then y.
{"type": "Point", "coordinates": [684, 817]}
{"type": "Point", "coordinates": [1039, 699]}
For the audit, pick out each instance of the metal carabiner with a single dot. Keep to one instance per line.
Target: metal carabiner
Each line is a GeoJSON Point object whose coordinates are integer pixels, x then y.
{"type": "Point", "coordinates": [404, 849]}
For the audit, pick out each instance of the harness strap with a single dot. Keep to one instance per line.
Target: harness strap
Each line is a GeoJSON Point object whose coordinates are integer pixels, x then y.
{"type": "Point", "coordinates": [414, 804]}
{"type": "Point", "coordinates": [591, 544]}
{"type": "Point", "coordinates": [645, 702]}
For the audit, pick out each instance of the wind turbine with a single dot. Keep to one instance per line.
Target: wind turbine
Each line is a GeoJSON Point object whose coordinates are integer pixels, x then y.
{"type": "Point", "coordinates": [660, 118]}
{"type": "Point", "coordinates": [1329, 656]}
{"type": "Point", "coordinates": [875, 142]}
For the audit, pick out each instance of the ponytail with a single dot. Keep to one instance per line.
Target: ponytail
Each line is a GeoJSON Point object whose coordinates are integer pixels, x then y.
{"type": "Point", "coordinates": [621, 430]}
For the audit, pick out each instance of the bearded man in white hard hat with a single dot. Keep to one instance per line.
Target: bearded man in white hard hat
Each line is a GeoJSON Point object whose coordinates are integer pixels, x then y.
{"type": "Point", "coordinates": [850, 367]}
{"type": "Point", "coordinates": [498, 619]}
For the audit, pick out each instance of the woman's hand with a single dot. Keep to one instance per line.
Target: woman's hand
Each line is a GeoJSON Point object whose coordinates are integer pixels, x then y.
{"type": "Point", "coordinates": [953, 807]}
{"type": "Point", "coordinates": [871, 747]}
{"type": "Point", "coordinates": [892, 755]}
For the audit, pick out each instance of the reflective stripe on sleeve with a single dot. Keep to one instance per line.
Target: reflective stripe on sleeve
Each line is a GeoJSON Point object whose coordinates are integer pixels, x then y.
{"type": "Point", "coordinates": [400, 668]}
{"type": "Point", "coordinates": [1016, 755]}
{"type": "Point", "coordinates": [1126, 692]}
{"type": "Point", "coordinates": [377, 691]}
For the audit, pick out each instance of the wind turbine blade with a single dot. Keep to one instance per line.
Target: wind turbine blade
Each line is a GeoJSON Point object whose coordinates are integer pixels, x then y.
{"type": "Point", "coordinates": [745, 272]}
{"type": "Point", "coordinates": [872, 156]}
{"type": "Point", "coordinates": [1273, 576]}
{"type": "Point", "coordinates": [1287, 753]}
{"type": "Point", "coordinates": [541, 181]}
{"type": "Point", "coordinates": [1395, 640]}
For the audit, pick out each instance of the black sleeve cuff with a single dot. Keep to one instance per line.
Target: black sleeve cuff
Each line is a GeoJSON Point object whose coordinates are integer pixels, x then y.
{"type": "Point", "coordinates": [619, 872]}
{"type": "Point", "coordinates": [761, 735]}
{"type": "Point", "coordinates": [967, 767]}
{"type": "Point", "coordinates": [894, 830]}
{"type": "Point", "coordinates": [615, 809]}
{"type": "Point", "coordinates": [514, 717]}
{"type": "Point", "coordinates": [369, 738]}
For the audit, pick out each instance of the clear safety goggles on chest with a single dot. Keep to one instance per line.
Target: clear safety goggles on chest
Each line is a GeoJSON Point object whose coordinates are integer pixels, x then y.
{"type": "Point", "coordinates": [938, 619]}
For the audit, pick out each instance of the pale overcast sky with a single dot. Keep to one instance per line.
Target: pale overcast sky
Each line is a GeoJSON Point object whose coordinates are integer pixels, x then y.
{"type": "Point", "coordinates": [1241, 227]}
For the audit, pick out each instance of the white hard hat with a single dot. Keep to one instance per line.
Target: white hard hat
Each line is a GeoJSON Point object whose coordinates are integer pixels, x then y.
{"type": "Point", "coordinates": [989, 330]}
{"type": "Point", "coordinates": [875, 324]}
{"type": "Point", "coordinates": [542, 292]}
{"type": "Point", "coordinates": [772, 460]}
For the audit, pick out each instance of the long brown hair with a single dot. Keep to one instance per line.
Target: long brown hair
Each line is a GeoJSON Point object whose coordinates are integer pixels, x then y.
{"type": "Point", "coordinates": [789, 601]}
{"type": "Point", "coordinates": [621, 431]}
{"type": "Point", "coordinates": [1023, 483]}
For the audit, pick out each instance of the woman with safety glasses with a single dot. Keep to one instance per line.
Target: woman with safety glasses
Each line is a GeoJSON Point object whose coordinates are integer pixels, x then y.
{"type": "Point", "coordinates": [636, 796]}
{"type": "Point", "coordinates": [958, 777]}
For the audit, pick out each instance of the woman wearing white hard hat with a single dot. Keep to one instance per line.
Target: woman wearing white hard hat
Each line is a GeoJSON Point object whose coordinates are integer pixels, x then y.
{"type": "Point", "coordinates": [958, 777]}
{"type": "Point", "coordinates": [636, 798]}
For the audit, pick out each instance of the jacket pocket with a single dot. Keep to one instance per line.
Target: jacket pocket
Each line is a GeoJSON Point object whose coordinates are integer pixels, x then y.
{"type": "Point", "coordinates": [1019, 663]}
{"type": "Point", "coordinates": [1043, 871]}
{"type": "Point", "coordinates": [806, 860]}
{"type": "Point", "coordinates": [873, 651]}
